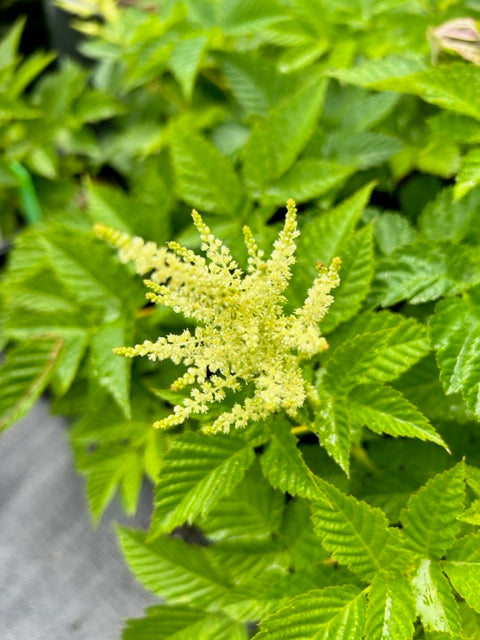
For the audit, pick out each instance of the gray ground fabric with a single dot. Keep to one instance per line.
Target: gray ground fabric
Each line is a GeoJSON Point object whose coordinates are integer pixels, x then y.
{"type": "Point", "coordinates": [60, 579]}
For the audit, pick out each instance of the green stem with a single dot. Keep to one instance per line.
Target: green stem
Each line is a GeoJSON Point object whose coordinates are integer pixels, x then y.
{"type": "Point", "coordinates": [363, 458]}
{"type": "Point", "coordinates": [28, 195]}
{"type": "Point", "coordinates": [300, 430]}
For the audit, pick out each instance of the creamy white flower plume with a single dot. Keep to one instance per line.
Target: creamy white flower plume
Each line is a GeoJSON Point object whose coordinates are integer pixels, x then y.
{"type": "Point", "coordinates": [244, 337]}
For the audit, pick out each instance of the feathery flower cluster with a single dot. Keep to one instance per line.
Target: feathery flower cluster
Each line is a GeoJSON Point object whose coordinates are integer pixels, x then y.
{"type": "Point", "coordinates": [243, 336]}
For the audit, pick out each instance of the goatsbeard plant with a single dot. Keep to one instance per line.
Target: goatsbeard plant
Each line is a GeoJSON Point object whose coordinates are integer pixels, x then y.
{"type": "Point", "coordinates": [290, 556]}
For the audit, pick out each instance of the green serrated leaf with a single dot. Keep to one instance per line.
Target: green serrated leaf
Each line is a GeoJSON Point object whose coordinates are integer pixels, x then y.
{"type": "Point", "coordinates": [455, 335]}
{"type": "Point", "coordinates": [434, 599]}
{"type": "Point", "coordinates": [131, 484]}
{"type": "Point", "coordinates": [472, 514]}
{"type": "Point", "coordinates": [425, 271]}
{"type": "Point", "coordinates": [275, 143]}
{"type": "Point", "coordinates": [462, 567]}
{"type": "Point", "coordinates": [392, 231]}
{"type": "Point", "coordinates": [254, 82]}
{"type": "Point", "coordinates": [334, 612]}
{"type": "Point", "coordinates": [180, 622]}
{"type": "Point", "coordinates": [386, 410]}
{"type": "Point", "coordinates": [255, 600]}
{"type": "Point", "coordinates": [391, 73]}
{"type": "Point", "coordinates": [252, 512]}
{"type": "Point", "coordinates": [111, 371]}
{"type": "Point", "coordinates": [94, 105]}
{"type": "Point", "coordinates": [10, 43]}
{"type": "Point", "coordinates": [24, 375]}
{"type": "Point", "coordinates": [185, 60]}
{"type": "Point", "coordinates": [284, 467]}
{"type": "Point", "coordinates": [355, 277]}
{"type": "Point", "coordinates": [30, 68]}
{"type": "Point", "coordinates": [88, 270]}
{"type": "Point", "coordinates": [377, 355]}
{"type": "Point", "coordinates": [360, 150]}
{"type": "Point", "coordinates": [298, 536]}
{"type": "Point", "coordinates": [468, 174]}
{"type": "Point", "coordinates": [332, 425]}
{"type": "Point", "coordinates": [246, 561]}
{"type": "Point", "coordinates": [430, 520]}
{"type": "Point", "coordinates": [39, 305]}
{"type": "Point", "coordinates": [422, 387]}
{"type": "Point", "coordinates": [108, 205]}
{"type": "Point", "coordinates": [325, 236]}
{"type": "Point", "coordinates": [470, 622]}
{"type": "Point", "coordinates": [308, 178]}
{"type": "Point", "coordinates": [391, 609]}
{"type": "Point", "coordinates": [173, 569]}
{"type": "Point", "coordinates": [205, 178]}
{"type": "Point", "coordinates": [453, 87]}
{"type": "Point", "coordinates": [446, 219]}
{"type": "Point", "coordinates": [75, 342]}
{"type": "Point", "coordinates": [460, 129]}
{"type": "Point", "coordinates": [197, 471]}
{"type": "Point", "coordinates": [107, 469]}
{"type": "Point", "coordinates": [242, 17]}
{"type": "Point", "coordinates": [357, 535]}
